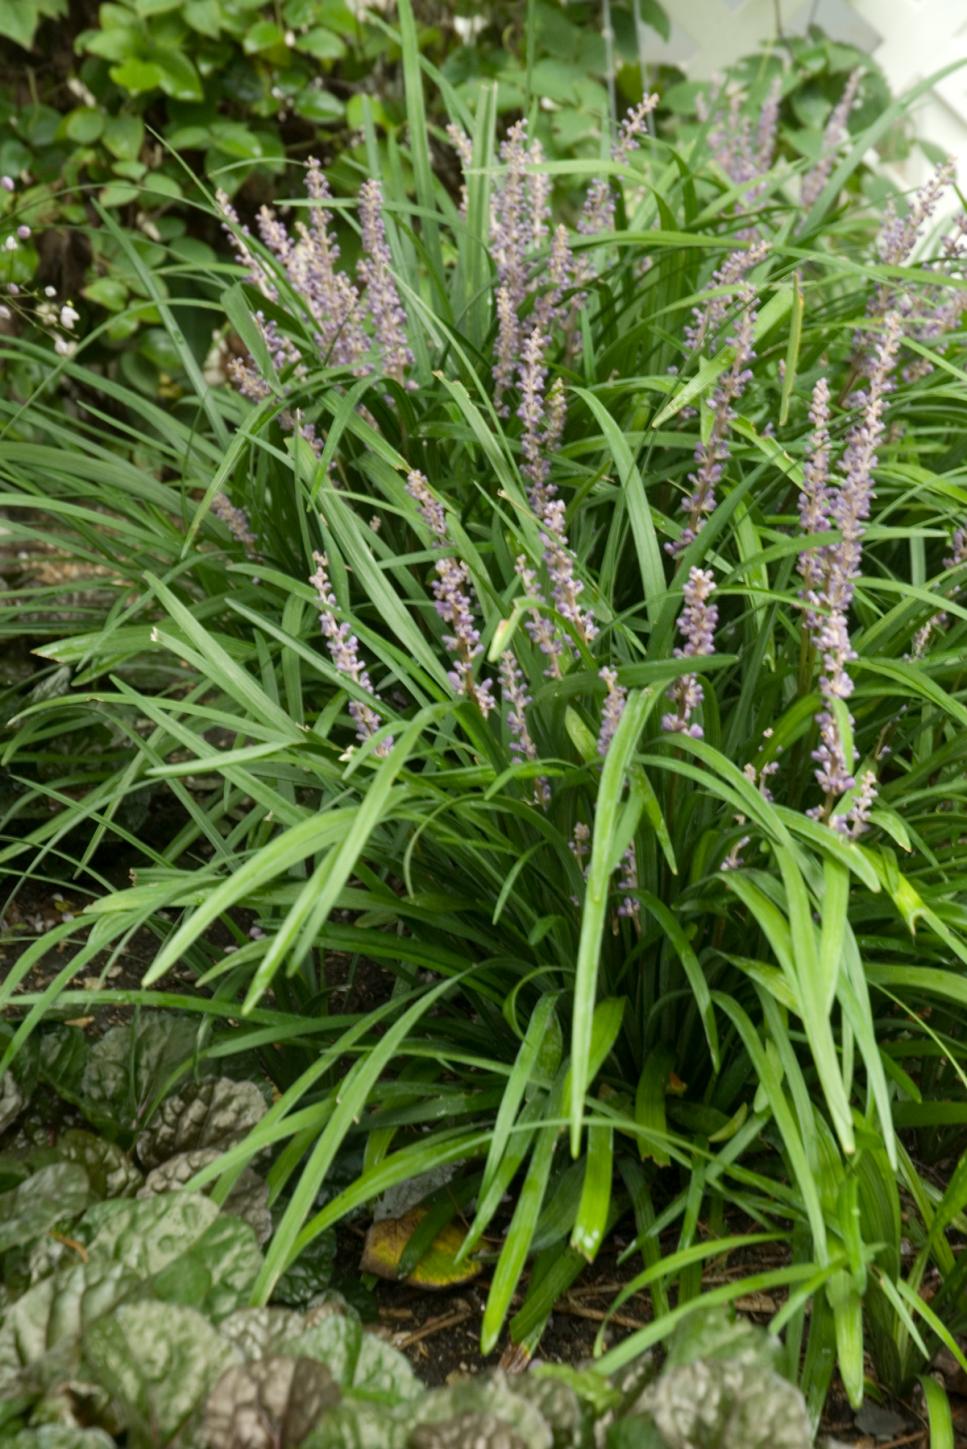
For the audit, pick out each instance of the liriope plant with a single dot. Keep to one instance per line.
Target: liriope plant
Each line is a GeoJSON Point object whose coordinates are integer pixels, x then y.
{"type": "Point", "coordinates": [564, 612]}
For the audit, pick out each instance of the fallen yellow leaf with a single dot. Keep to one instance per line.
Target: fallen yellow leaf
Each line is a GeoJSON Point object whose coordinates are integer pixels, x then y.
{"type": "Point", "coordinates": [386, 1242]}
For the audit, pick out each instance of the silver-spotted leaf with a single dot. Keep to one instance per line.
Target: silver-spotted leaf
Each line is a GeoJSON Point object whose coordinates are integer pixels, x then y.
{"type": "Point", "coordinates": [55, 1194]}
{"type": "Point", "coordinates": [261, 1332]}
{"type": "Point", "coordinates": [159, 1362]}
{"type": "Point", "coordinates": [715, 1402]}
{"type": "Point", "coordinates": [131, 1066]}
{"type": "Point", "coordinates": [214, 1113]}
{"type": "Point", "coordinates": [269, 1404]}
{"type": "Point", "coordinates": [110, 1170]}
{"type": "Point", "coordinates": [363, 1365]}
{"type": "Point", "coordinates": [559, 1406]}
{"type": "Point", "coordinates": [147, 1236]}
{"type": "Point", "coordinates": [714, 1334]}
{"type": "Point", "coordinates": [355, 1424]}
{"type": "Point", "coordinates": [11, 1100]}
{"type": "Point", "coordinates": [183, 1246]}
{"type": "Point", "coordinates": [483, 1430]}
{"type": "Point", "coordinates": [248, 1199]}
{"type": "Point", "coordinates": [309, 1275]}
{"type": "Point", "coordinates": [60, 1436]}
{"type": "Point", "coordinates": [41, 1331]}
{"type": "Point", "coordinates": [488, 1407]}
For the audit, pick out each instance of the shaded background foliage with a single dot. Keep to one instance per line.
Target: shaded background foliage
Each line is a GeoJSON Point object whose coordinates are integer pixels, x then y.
{"type": "Point", "coordinates": [142, 105]}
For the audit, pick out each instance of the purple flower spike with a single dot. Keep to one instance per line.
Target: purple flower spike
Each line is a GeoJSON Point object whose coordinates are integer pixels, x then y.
{"type": "Point", "coordinates": [711, 456]}
{"type": "Point", "coordinates": [540, 628]}
{"type": "Point", "coordinates": [614, 706]}
{"type": "Point", "coordinates": [858, 818]}
{"type": "Point", "coordinates": [375, 269]}
{"type": "Point", "coordinates": [344, 651]}
{"type": "Point", "coordinates": [513, 689]}
{"type": "Point", "coordinates": [451, 591]}
{"type": "Point", "coordinates": [628, 883]}
{"type": "Point", "coordinates": [235, 520]}
{"type": "Point", "coordinates": [830, 573]}
{"type": "Point", "coordinates": [815, 500]}
{"type": "Point", "coordinates": [597, 214]}
{"type": "Point", "coordinates": [708, 316]}
{"type": "Point", "coordinates": [833, 137]}
{"type": "Point", "coordinates": [696, 625]}
{"type": "Point", "coordinates": [431, 509]}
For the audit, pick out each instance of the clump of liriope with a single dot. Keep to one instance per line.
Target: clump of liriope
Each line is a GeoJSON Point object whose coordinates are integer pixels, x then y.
{"type": "Point", "coordinates": [539, 292]}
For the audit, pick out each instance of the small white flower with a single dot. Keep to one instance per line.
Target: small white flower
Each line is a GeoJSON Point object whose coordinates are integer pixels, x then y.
{"type": "Point", "coordinates": [7, 182]}
{"type": "Point", "coordinates": [79, 89]}
{"type": "Point", "coordinates": [148, 227]}
{"type": "Point", "coordinates": [289, 38]}
{"type": "Point", "coordinates": [10, 244]}
{"type": "Point", "coordinates": [65, 346]}
{"type": "Point", "coordinates": [4, 313]}
{"type": "Point", "coordinates": [68, 316]}
{"type": "Point", "coordinates": [468, 27]}
{"type": "Point", "coordinates": [47, 315]}
{"type": "Point", "coordinates": [50, 291]}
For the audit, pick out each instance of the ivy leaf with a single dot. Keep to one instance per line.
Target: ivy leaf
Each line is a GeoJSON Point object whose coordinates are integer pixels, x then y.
{"type": "Point", "coordinates": [321, 43]}
{"type": "Point", "coordinates": [386, 1242]}
{"type": "Point", "coordinates": [656, 16]}
{"type": "Point", "coordinates": [158, 1362]}
{"type": "Point", "coordinates": [124, 136]}
{"type": "Point", "coordinates": [205, 16]}
{"type": "Point", "coordinates": [50, 1196]}
{"type": "Point", "coordinates": [274, 1400]}
{"type": "Point", "coordinates": [136, 76]}
{"type": "Point", "coordinates": [263, 35]}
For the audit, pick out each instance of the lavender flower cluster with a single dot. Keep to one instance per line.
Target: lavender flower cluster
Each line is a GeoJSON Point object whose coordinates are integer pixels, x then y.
{"type": "Point", "coordinates": [597, 214]}
{"type": "Point", "coordinates": [451, 591]}
{"type": "Point", "coordinates": [743, 154]}
{"type": "Point", "coordinates": [712, 454]}
{"type": "Point", "coordinates": [836, 131]}
{"type": "Point", "coordinates": [520, 225]}
{"type": "Point", "coordinates": [344, 651]}
{"type": "Point", "coordinates": [360, 327]}
{"type": "Point", "coordinates": [543, 418]}
{"type": "Point", "coordinates": [697, 624]}
{"type": "Point", "coordinates": [928, 313]}
{"type": "Point", "coordinates": [829, 573]}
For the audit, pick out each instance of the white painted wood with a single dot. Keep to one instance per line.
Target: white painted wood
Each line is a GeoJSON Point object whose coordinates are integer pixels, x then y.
{"type": "Point", "coordinates": [909, 39]}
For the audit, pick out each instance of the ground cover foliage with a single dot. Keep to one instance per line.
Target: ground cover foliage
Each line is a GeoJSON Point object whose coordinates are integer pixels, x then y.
{"type": "Point", "coordinates": [563, 613]}
{"type": "Point", "coordinates": [126, 1302]}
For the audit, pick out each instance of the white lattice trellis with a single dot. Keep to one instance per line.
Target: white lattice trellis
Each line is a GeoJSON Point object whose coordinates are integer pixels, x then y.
{"type": "Point", "coordinates": [910, 39]}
